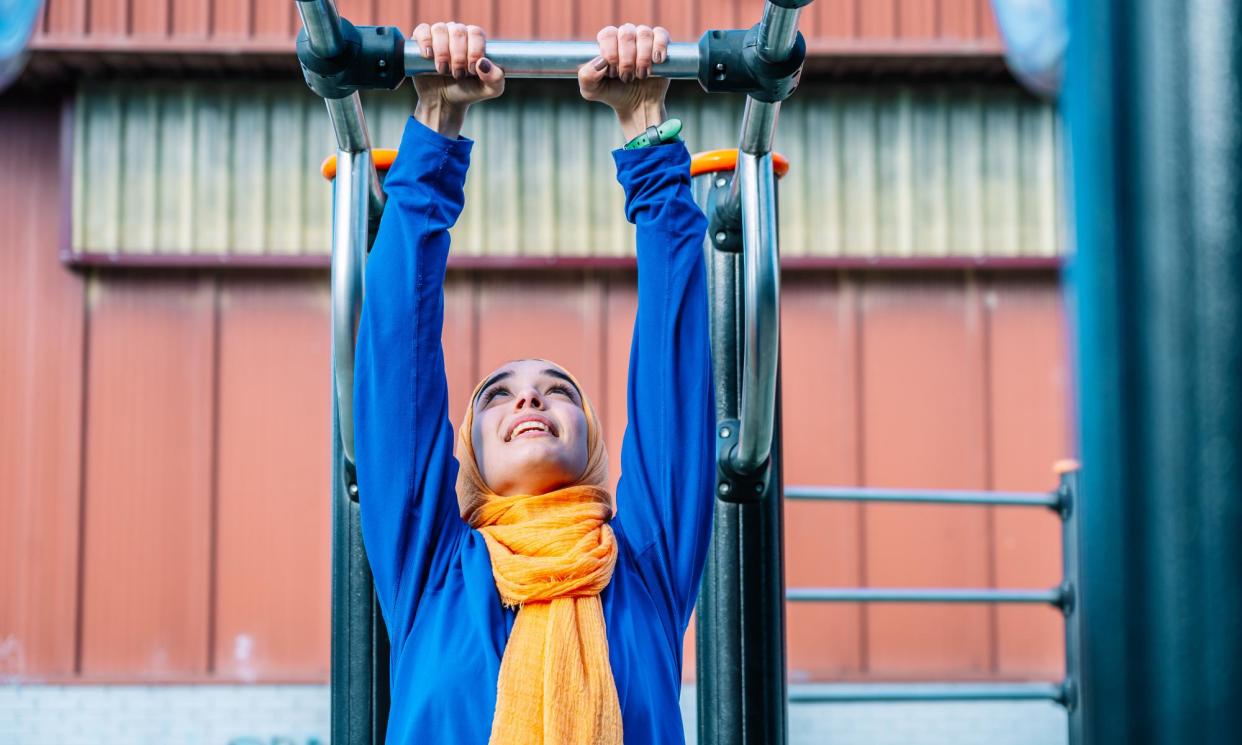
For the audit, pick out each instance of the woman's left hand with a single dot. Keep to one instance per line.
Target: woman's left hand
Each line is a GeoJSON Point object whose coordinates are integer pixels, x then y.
{"type": "Point", "coordinates": [621, 76]}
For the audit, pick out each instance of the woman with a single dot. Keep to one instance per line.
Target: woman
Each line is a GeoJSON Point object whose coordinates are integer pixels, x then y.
{"type": "Point", "coordinates": [524, 603]}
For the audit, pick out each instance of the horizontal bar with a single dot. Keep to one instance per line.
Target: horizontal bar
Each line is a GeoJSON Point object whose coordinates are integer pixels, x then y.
{"type": "Point", "coordinates": [1053, 596]}
{"type": "Point", "coordinates": [256, 259]}
{"type": "Point", "coordinates": [924, 496]}
{"type": "Point", "coordinates": [825, 693]}
{"type": "Point", "coordinates": [557, 59]}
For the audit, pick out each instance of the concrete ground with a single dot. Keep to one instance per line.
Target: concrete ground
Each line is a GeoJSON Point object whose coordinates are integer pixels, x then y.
{"type": "Point", "coordinates": [299, 715]}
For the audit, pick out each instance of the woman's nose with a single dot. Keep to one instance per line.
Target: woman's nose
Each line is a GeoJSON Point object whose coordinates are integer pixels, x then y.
{"type": "Point", "coordinates": [529, 398]}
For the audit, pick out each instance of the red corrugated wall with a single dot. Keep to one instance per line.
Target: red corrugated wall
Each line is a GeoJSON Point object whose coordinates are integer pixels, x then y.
{"type": "Point", "coordinates": [269, 24]}
{"type": "Point", "coordinates": [41, 336]}
{"type": "Point", "coordinates": [165, 438]}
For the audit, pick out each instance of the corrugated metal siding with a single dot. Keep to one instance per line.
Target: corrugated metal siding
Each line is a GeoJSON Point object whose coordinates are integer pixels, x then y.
{"type": "Point", "coordinates": [41, 352]}
{"type": "Point", "coordinates": [270, 24]}
{"type": "Point", "coordinates": [148, 488]}
{"type": "Point", "coordinates": [205, 527]}
{"type": "Point", "coordinates": [880, 171]}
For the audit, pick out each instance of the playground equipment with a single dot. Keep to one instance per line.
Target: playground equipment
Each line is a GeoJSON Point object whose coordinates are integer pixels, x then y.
{"type": "Point", "coordinates": [1153, 564]}
{"type": "Point", "coordinates": [764, 62]}
{"type": "Point", "coordinates": [1065, 501]}
{"type": "Point", "coordinates": [1153, 104]}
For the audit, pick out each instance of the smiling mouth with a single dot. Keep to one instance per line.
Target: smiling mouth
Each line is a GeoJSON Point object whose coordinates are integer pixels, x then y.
{"type": "Point", "coordinates": [532, 427]}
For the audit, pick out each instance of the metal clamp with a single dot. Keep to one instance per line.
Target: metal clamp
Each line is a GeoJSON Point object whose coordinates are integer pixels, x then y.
{"type": "Point", "coordinates": [732, 486]}
{"type": "Point", "coordinates": [739, 61]}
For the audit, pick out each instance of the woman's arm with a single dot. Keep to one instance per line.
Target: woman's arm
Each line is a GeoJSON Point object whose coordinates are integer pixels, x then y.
{"type": "Point", "coordinates": [403, 435]}
{"type": "Point", "coordinates": [668, 455]}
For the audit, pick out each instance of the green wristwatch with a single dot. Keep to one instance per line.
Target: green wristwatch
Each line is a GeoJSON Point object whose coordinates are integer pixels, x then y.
{"type": "Point", "coordinates": [656, 135]}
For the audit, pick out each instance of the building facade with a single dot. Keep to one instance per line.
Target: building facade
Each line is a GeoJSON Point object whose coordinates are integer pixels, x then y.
{"type": "Point", "coordinates": [165, 336]}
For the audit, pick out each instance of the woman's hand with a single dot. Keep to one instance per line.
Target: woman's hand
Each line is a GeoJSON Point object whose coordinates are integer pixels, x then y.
{"type": "Point", "coordinates": [466, 75]}
{"type": "Point", "coordinates": [621, 75]}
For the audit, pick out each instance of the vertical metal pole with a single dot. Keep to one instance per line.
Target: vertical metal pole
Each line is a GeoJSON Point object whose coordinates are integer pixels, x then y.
{"type": "Point", "coordinates": [359, 640]}
{"type": "Point", "coordinates": [1154, 108]}
{"type": "Point", "coordinates": [1070, 552]}
{"type": "Point", "coordinates": [740, 642]}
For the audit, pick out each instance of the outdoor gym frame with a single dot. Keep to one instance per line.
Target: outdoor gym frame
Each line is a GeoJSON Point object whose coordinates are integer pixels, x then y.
{"type": "Point", "coordinates": [747, 648]}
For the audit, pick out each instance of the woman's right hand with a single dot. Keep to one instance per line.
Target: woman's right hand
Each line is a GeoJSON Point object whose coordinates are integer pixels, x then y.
{"type": "Point", "coordinates": [466, 75]}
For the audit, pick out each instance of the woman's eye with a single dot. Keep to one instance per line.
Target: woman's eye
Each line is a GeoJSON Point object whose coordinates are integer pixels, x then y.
{"type": "Point", "coordinates": [560, 389]}
{"type": "Point", "coordinates": [493, 393]}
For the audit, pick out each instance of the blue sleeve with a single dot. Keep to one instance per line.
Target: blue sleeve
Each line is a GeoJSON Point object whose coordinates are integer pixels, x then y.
{"type": "Point", "coordinates": [664, 502]}
{"type": "Point", "coordinates": [403, 435]}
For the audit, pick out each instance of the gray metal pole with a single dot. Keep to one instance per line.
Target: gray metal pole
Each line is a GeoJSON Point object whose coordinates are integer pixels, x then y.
{"type": "Point", "coordinates": [741, 611]}
{"type": "Point", "coordinates": [923, 496]}
{"type": "Point", "coordinates": [351, 199]}
{"type": "Point", "coordinates": [1154, 108]}
{"type": "Point", "coordinates": [1071, 552]}
{"type": "Point", "coordinates": [557, 59]}
{"type": "Point", "coordinates": [323, 26]}
{"type": "Point", "coordinates": [1054, 597]}
{"type": "Point", "coordinates": [359, 640]}
{"type": "Point", "coordinates": [842, 693]}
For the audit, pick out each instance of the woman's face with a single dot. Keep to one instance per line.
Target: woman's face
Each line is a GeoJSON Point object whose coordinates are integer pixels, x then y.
{"type": "Point", "coordinates": [530, 430]}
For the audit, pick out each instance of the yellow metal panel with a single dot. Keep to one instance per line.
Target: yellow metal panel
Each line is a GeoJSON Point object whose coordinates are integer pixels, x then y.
{"type": "Point", "coordinates": [249, 211]}
{"type": "Point", "coordinates": [175, 171]}
{"type": "Point", "coordinates": [139, 166]}
{"type": "Point", "coordinates": [101, 169]}
{"type": "Point", "coordinates": [288, 180]}
{"type": "Point", "coordinates": [213, 145]}
{"type": "Point", "coordinates": [966, 176]}
{"type": "Point", "coordinates": [883, 170]}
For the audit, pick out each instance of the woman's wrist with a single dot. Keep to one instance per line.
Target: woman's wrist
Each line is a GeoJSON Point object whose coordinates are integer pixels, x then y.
{"type": "Point", "coordinates": [444, 118]}
{"type": "Point", "coordinates": [636, 120]}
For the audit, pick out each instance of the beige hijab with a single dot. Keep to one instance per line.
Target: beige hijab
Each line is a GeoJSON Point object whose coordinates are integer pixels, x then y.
{"type": "Point", "coordinates": [552, 554]}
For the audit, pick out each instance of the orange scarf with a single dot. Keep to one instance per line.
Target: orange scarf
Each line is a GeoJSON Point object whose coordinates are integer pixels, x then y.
{"type": "Point", "coordinates": [551, 556]}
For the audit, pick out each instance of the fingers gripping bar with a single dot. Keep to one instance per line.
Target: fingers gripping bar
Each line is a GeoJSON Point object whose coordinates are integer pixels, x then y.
{"type": "Point", "coordinates": [339, 58]}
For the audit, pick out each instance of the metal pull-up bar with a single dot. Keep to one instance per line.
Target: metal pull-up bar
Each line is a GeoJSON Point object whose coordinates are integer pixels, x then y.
{"type": "Point", "coordinates": [340, 59]}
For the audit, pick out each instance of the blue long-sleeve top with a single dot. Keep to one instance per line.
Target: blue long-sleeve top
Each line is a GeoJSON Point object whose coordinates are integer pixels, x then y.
{"type": "Point", "coordinates": [432, 572]}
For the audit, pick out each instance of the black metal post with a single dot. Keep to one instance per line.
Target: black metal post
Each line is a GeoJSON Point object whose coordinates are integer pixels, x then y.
{"type": "Point", "coordinates": [360, 697]}
{"type": "Point", "coordinates": [740, 643]}
{"type": "Point", "coordinates": [1154, 108]}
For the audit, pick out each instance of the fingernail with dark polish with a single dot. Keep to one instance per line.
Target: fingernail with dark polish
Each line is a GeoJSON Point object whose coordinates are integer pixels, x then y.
{"type": "Point", "coordinates": [485, 66]}
{"type": "Point", "coordinates": [427, 52]}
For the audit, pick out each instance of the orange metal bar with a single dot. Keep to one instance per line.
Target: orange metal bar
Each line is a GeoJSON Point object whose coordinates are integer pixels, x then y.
{"type": "Point", "coordinates": [382, 157]}
{"type": "Point", "coordinates": [713, 161]}
{"type": "Point", "coordinates": [710, 161]}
